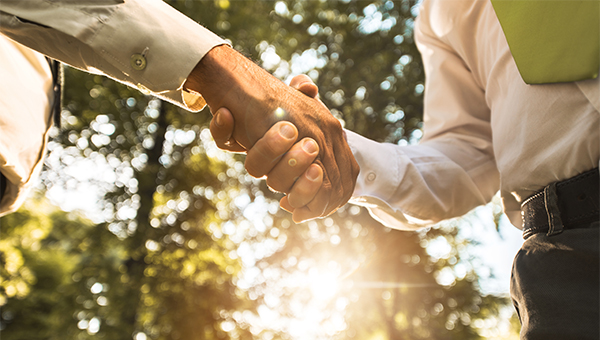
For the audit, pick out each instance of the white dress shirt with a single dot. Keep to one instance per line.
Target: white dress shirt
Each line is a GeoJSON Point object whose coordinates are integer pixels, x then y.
{"type": "Point", "coordinates": [484, 129]}
{"type": "Point", "coordinates": [141, 43]}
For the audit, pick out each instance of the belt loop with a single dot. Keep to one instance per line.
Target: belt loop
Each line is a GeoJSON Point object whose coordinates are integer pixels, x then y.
{"type": "Point", "coordinates": [551, 203]}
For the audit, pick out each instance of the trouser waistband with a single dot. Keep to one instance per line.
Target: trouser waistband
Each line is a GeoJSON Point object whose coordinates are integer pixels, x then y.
{"type": "Point", "coordinates": [568, 204]}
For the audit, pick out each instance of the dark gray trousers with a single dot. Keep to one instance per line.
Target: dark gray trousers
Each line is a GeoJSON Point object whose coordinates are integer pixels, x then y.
{"type": "Point", "coordinates": [555, 285]}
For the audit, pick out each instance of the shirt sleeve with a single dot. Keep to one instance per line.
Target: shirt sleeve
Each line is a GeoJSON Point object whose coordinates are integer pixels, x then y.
{"type": "Point", "coordinates": [452, 170]}
{"type": "Point", "coordinates": [142, 43]}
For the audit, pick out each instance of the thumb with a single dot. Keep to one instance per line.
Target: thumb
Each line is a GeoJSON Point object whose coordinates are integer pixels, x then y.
{"type": "Point", "coordinates": [305, 85]}
{"type": "Point", "coordinates": [221, 128]}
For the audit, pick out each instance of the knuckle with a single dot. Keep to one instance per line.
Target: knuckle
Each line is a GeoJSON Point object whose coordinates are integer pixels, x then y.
{"type": "Point", "coordinates": [295, 203]}
{"type": "Point", "coordinates": [318, 209]}
{"type": "Point", "coordinates": [298, 200]}
{"type": "Point", "coordinates": [331, 122]}
{"type": "Point", "coordinates": [217, 137]}
{"type": "Point", "coordinates": [218, 133]}
{"type": "Point", "coordinates": [253, 169]}
{"type": "Point", "coordinates": [254, 172]}
{"type": "Point", "coordinates": [271, 149]}
{"type": "Point", "coordinates": [220, 145]}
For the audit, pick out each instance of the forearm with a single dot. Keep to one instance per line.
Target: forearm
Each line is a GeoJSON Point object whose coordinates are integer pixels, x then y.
{"type": "Point", "coordinates": [103, 36]}
{"type": "Point", "coordinates": [413, 186]}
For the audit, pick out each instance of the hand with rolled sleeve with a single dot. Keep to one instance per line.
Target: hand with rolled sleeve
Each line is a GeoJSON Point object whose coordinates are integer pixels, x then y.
{"type": "Point", "coordinates": [257, 101]}
{"type": "Point", "coordinates": [121, 39]}
{"type": "Point", "coordinates": [287, 164]}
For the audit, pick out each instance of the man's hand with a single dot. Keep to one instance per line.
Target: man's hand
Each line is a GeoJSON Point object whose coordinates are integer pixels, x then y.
{"type": "Point", "coordinates": [286, 164]}
{"type": "Point", "coordinates": [258, 100]}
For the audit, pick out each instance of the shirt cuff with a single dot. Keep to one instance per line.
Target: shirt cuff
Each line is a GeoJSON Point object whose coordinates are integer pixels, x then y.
{"type": "Point", "coordinates": [379, 178]}
{"type": "Point", "coordinates": [378, 166]}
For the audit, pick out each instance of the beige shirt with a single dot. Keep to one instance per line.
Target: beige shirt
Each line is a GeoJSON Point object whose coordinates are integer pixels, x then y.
{"type": "Point", "coordinates": [26, 97]}
{"type": "Point", "coordinates": [484, 129]}
{"type": "Point", "coordinates": [101, 36]}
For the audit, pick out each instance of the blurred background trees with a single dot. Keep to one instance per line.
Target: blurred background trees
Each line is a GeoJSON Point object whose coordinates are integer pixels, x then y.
{"type": "Point", "coordinates": [180, 243]}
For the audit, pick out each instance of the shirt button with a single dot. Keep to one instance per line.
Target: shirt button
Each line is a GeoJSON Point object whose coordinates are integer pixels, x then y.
{"type": "Point", "coordinates": [371, 176]}
{"type": "Point", "coordinates": [138, 62]}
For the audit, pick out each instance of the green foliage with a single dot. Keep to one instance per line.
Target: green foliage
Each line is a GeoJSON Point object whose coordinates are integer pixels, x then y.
{"type": "Point", "coordinates": [49, 256]}
{"type": "Point", "coordinates": [185, 245]}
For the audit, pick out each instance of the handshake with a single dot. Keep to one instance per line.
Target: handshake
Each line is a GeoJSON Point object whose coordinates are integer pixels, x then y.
{"type": "Point", "coordinates": [288, 134]}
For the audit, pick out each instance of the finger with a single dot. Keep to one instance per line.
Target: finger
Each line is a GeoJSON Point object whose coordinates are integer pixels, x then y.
{"type": "Point", "coordinates": [265, 153]}
{"type": "Point", "coordinates": [306, 213]}
{"type": "Point", "coordinates": [304, 84]}
{"type": "Point", "coordinates": [299, 215]}
{"type": "Point", "coordinates": [221, 128]}
{"type": "Point", "coordinates": [292, 165]}
{"type": "Point", "coordinates": [320, 205]}
{"type": "Point", "coordinates": [306, 187]}
{"type": "Point", "coordinates": [221, 125]}
{"type": "Point", "coordinates": [232, 146]}
{"type": "Point", "coordinates": [340, 167]}
{"type": "Point", "coordinates": [303, 214]}
{"type": "Point", "coordinates": [349, 170]}
{"type": "Point", "coordinates": [285, 204]}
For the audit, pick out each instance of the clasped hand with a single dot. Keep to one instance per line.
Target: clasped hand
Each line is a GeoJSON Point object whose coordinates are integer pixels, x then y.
{"type": "Point", "coordinates": [258, 106]}
{"type": "Point", "coordinates": [290, 166]}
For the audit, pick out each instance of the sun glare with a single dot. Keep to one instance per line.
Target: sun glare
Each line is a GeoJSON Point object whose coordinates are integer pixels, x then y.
{"type": "Point", "coordinates": [311, 314]}
{"type": "Point", "coordinates": [280, 113]}
{"type": "Point", "coordinates": [323, 286]}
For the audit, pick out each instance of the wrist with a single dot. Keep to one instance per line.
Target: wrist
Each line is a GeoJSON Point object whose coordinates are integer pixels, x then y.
{"type": "Point", "coordinates": [225, 78]}
{"type": "Point", "coordinates": [212, 76]}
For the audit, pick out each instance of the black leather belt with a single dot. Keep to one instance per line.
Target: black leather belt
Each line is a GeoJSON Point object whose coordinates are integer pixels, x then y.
{"type": "Point", "coordinates": [577, 202]}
